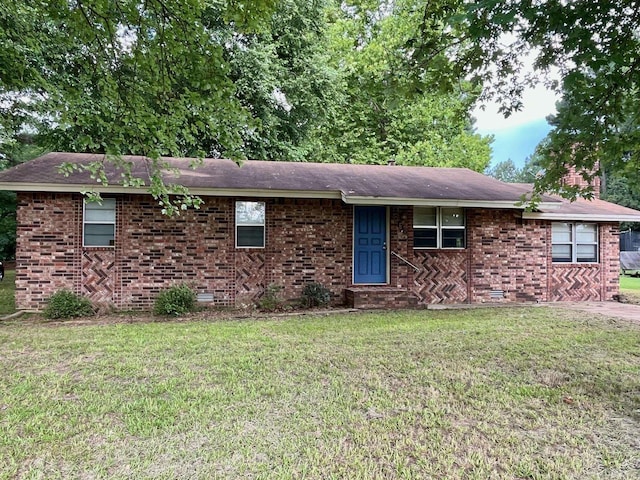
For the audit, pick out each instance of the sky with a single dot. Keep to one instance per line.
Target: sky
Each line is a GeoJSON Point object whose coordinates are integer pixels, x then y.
{"type": "Point", "coordinates": [516, 137]}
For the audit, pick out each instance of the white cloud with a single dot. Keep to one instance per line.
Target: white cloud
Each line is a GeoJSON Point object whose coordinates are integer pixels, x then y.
{"type": "Point", "coordinates": [538, 103]}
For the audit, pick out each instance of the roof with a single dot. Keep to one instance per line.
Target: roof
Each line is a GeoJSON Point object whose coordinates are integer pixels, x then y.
{"type": "Point", "coordinates": [594, 210]}
{"type": "Point", "coordinates": [354, 184]}
{"type": "Point", "coordinates": [630, 260]}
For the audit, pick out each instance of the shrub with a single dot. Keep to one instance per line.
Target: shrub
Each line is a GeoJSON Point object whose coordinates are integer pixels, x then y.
{"type": "Point", "coordinates": [177, 300]}
{"type": "Point", "coordinates": [66, 304]}
{"type": "Point", "coordinates": [271, 300]}
{"type": "Point", "coordinates": [315, 295]}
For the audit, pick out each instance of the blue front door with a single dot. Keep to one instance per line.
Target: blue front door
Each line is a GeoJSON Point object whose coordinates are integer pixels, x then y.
{"type": "Point", "coordinates": [370, 245]}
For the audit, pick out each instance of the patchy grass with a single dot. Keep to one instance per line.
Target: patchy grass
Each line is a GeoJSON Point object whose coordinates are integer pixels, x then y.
{"type": "Point", "coordinates": [535, 393]}
{"type": "Point", "coordinates": [7, 290]}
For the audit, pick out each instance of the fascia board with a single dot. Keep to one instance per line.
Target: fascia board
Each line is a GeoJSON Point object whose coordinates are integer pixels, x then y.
{"type": "Point", "coordinates": [587, 217]}
{"type": "Point", "coordinates": [267, 193]}
{"type": "Point", "coordinates": [435, 202]}
{"type": "Point", "coordinates": [221, 192]}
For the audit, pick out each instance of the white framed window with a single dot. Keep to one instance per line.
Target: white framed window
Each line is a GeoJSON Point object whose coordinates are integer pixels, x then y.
{"type": "Point", "coordinates": [439, 227]}
{"type": "Point", "coordinates": [99, 226]}
{"type": "Point", "coordinates": [574, 242]}
{"type": "Point", "coordinates": [250, 221]}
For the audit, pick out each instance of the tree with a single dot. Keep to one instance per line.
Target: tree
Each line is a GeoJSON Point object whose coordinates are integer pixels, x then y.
{"type": "Point", "coordinates": [392, 108]}
{"type": "Point", "coordinates": [146, 78]}
{"type": "Point", "coordinates": [507, 171]}
{"type": "Point", "coordinates": [244, 78]}
{"type": "Point", "coordinates": [281, 75]}
{"type": "Point", "coordinates": [594, 47]}
{"type": "Point", "coordinates": [8, 205]}
{"type": "Point", "coordinates": [619, 189]}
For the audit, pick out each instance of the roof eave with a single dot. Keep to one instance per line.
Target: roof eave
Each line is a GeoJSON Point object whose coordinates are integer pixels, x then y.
{"type": "Point", "coordinates": [273, 193]}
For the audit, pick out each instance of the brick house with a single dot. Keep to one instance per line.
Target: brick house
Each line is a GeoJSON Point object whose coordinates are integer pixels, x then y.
{"type": "Point", "coordinates": [377, 236]}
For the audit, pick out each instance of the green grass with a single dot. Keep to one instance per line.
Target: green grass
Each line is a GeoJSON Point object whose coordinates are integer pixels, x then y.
{"type": "Point", "coordinates": [7, 288]}
{"type": "Point", "coordinates": [629, 284]}
{"type": "Point", "coordinates": [490, 393]}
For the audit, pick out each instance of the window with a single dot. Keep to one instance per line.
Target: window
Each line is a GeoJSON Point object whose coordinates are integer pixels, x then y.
{"type": "Point", "coordinates": [438, 227]}
{"type": "Point", "coordinates": [574, 242]}
{"type": "Point", "coordinates": [250, 224]}
{"type": "Point", "coordinates": [100, 223]}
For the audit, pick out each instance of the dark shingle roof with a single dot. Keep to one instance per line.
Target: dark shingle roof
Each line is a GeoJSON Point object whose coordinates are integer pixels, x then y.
{"type": "Point", "coordinates": [594, 209]}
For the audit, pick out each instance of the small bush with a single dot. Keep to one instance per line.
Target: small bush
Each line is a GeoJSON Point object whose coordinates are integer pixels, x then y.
{"type": "Point", "coordinates": [177, 300]}
{"type": "Point", "coordinates": [315, 295]}
{"type": "Point", "coordinates": [66, 304]}
{"type": "Point", "coordinates": [271, 300]}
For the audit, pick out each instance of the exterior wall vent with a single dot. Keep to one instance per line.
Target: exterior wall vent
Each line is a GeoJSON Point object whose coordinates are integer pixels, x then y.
{"type": "Point", "coordinates": [205, 297]}
{"type": "Point", "coordinates": [497, 294]}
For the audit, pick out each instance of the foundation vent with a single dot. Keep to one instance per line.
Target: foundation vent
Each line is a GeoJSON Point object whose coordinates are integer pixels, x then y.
{"type": "Point", "coordinates": [496, 294]}
{"type": "Point", "coordinates": [205, 297]}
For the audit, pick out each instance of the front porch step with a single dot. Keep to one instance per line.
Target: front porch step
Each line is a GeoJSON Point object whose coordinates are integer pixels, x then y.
{"type": "Point", "coordinates": [374, 297]}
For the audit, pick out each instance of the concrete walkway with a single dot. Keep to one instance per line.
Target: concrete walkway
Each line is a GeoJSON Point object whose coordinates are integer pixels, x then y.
{"type": "Point", "coordinates": [625, 311]}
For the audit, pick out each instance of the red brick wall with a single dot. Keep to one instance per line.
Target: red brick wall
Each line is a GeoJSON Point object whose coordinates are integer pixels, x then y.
{"type": "Point", "coordinates": [49, 247]}
{"type": "Point", "coordinates": [443, 276]}
{"type": "Point", "coordinates": [307, 241]}
{"type": "Point", "coordinates": [506, 254]}
{"type": "Point", "coordinates": [510, 255]}
{"type": "Point", "coordinates": [156, 251]}
{"type": "Point", "coordinates": [610, 259]}
{"type": "Point", "coordinates": [574, 177]}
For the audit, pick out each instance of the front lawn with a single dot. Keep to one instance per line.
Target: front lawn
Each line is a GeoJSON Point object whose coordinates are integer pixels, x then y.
{"type": "Point", "coordinates": [487, 393]}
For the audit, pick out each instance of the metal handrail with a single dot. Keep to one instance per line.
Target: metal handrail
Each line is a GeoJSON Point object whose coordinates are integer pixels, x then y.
{"type": "Point", "coordinates": [400, 257]}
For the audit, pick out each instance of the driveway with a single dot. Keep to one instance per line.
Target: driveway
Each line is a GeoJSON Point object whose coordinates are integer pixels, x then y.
{"type": "Point", "coordinates": [625, 311]}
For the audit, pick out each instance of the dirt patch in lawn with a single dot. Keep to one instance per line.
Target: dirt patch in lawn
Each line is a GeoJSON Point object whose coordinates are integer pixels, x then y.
{"type": "Point", "coordinates": [624, 311]}
{"type": "Point", "coordinates": [619, 310]}
{"type": "Point", "coordinates": [147, 317]}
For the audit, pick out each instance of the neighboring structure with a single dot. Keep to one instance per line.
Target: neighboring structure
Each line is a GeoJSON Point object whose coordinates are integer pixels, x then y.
{"type": "Point", "coordinates": [630, 263]}
{"type": "Point", "coordinates": [630, 241]}
{"type": "Point", "coordinates": [377, 236]}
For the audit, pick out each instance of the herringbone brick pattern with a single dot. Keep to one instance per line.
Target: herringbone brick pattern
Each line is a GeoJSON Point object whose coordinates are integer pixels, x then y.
{"type": "Point", "coordinates": [575, 283]}
{"type": "Point", "coordinates": [442, 278]}
{"type": "Point", "coordinates": [249, 276]}
{"type": "Point", "coordinates": [98, 276]}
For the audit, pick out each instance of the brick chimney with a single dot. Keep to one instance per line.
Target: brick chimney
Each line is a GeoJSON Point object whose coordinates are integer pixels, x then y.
{"type": "Point", "coordinates": [574, 177]}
